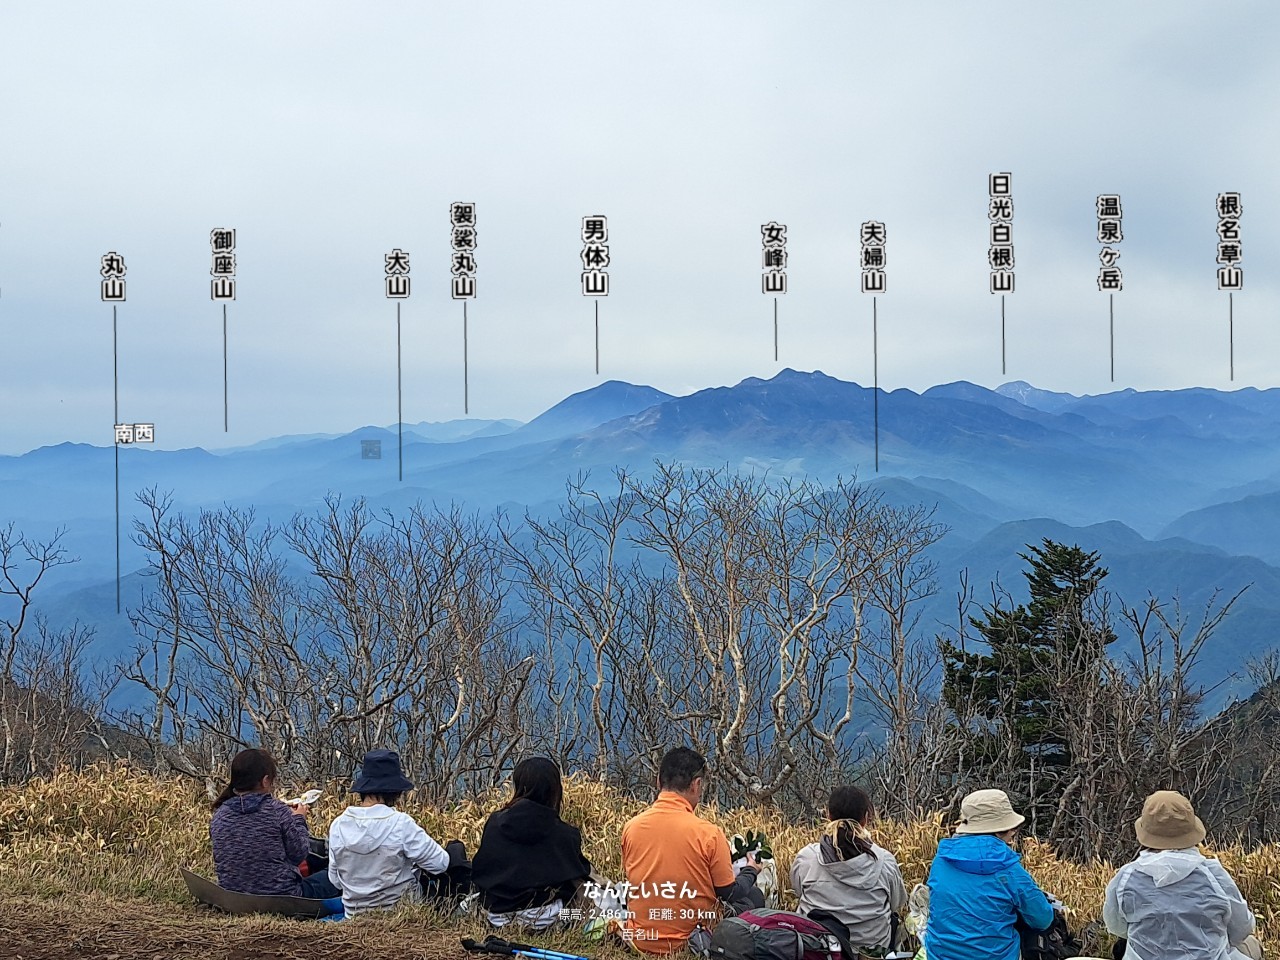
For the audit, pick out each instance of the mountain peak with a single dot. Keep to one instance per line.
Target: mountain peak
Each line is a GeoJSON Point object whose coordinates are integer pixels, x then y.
{"type": "Point", "coordinates": [589, 408]}
{"type": "Point", "coordinates": [1046, 400]}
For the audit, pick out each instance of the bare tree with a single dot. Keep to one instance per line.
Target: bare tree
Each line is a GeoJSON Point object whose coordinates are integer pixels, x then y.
{"type": "Point", "coordinates": [900, 669]}
{"type": "Point", "coordinates": [51, 704]}
{"type": "Point", "coordinates": [223, 634]}
{"type": "Point", "coordinates": [773, 580]}
{"type": "Point", "coordinates": [1127, 726]}
{"type": "Point", "coordinates": [571, 568]}
{"type": "Point", "coordinates": [343, 632]}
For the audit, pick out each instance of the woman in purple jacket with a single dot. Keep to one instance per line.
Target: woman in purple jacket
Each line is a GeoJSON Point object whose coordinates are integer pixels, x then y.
{"type": "Point", "coordinates": [258, 841]}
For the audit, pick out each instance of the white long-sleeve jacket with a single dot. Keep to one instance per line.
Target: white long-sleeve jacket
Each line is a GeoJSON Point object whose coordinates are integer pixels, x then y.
{"type": "Point", "coordinates": [372, 855]}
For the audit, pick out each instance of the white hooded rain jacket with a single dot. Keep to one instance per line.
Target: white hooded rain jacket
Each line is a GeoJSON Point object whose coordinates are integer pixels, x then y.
{"type": "Point", "coordinates": [1176, 905]}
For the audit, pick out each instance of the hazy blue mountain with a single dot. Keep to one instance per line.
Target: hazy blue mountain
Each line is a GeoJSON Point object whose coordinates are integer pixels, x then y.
{"type": "Point", "coordinates": [815, 425]}
{"type": "Point", "coordinates": [952, 509]}
{"type": "Point", "coordinates": [1266, 402]}
{"type": "Point", "coordinates": [1026, 394]}
{"type": "Point", "coordinates": [963, 390]}
{"type": "Point", "coordinates": [281, 441]}
{"type": "Point", "coordinates": [497, 428]}
{"type": "Point", "coordinates": [1180, 489]}
{"type": "Point", "coordinates": [1201, 411]}
{"type": "Point", "coordinates": [590, 408]}
{"type": "Point", "coordinates": [1146, 470]}
{"type": "Point", "coordinates": [966, 497]}
{"type": "Point", "coordinates": [1250, 526]}
{"type": "Point", "coordinates": [440, 431]}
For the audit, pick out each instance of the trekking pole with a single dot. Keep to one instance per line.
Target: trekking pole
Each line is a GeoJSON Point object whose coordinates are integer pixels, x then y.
{"type": "Point", "coordinates": [528, 950]}
{"type": "Point", "coordinates": [505, 948]}
{"type": "Point", "coordinates": [489, 946]}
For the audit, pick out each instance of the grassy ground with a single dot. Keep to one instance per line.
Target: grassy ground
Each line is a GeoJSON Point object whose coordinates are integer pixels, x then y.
{"type": "Point", "coordinates": [110, 929]}
{"type": "Point", "coordinates": [89, 868]}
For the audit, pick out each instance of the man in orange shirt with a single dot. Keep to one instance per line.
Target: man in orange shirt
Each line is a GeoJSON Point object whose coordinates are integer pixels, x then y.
{"type": "Point", "coordinates": [678, 865]}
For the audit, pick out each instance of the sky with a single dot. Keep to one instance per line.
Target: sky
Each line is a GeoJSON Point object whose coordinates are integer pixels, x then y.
{"type": "Point", "coordinates": [328, 134]}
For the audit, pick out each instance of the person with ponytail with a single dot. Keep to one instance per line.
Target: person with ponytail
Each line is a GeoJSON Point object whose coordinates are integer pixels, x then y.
{"type": "Point", "coordinates": [258, 842]}
{"type": "Point", "coordinates": [848, 875]}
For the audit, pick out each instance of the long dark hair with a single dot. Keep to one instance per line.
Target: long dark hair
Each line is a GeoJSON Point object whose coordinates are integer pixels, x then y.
{"type": "Point", "coordinates": [248, 769]}
{"type": "Point", "coordinates": [538, 779]}
{"type": "Point", "coordinates": [386, 799]}
{"type": "Point", "coordinates": [850, 803]}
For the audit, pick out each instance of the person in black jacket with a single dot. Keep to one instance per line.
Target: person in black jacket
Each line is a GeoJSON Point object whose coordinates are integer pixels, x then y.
{"type": "Point", "coordinates": [530, 865]}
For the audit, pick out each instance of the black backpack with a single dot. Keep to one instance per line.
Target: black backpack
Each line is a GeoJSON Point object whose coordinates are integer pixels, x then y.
{"type": "Point", "coordinates": [454, 884]}
{"type": "Point", "coordinates": [760, 934]}
{"type": "Point", "coordinates": [1055, 943]}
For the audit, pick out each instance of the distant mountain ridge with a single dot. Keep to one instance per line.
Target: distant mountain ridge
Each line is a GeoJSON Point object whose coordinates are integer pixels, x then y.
{"type": "Point", "coordinates": [1197, 471]}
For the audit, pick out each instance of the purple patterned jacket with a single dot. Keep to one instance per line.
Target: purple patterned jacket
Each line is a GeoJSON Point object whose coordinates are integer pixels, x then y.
{"type": "Point", "coordinates": [258, 843]}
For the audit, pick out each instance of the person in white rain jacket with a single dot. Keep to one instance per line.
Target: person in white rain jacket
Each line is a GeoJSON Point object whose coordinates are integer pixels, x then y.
{"type": "Point", "coordinates": [1174, 903]}
{"type": "Point", "coordinates": [376, 851]}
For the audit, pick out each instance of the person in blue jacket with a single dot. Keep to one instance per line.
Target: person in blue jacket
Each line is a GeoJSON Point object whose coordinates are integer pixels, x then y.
{"type": "Point", "coordinates": [978, 887]}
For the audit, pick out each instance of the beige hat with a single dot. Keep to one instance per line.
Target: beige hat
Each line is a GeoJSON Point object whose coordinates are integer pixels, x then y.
{"type": "Point", "coordinates": [988, 811]}
{"type": "Point", "coordinates": [1168, 822]}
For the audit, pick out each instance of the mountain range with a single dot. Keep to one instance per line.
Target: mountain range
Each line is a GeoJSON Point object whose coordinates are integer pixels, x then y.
{"type": "Point", "coordinates": [1179, 490]}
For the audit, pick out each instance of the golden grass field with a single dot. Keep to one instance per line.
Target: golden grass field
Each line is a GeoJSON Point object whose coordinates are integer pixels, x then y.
{"type": "Point", "coordinates": [111, 839]}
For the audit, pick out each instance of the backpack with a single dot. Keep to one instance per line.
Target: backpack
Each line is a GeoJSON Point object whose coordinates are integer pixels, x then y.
{"type": "Point", "coordinates": [761, 934]}
{"type": "Point", "coordinates": [452, 886]}
{"type": "Point", "coordinates": [1055, 943]}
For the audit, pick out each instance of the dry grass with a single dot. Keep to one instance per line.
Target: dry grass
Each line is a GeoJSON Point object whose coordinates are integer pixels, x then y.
{"type": "Point", "coordinates": [116, 833]}
{"type": "Point", "coordinates": [108, 929]}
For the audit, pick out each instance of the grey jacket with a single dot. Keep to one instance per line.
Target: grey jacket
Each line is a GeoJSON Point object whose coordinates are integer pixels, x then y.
{"type": "Point", "coordinates": [861, 891]}
{"type": "Point", "coordinates": [258, 843]}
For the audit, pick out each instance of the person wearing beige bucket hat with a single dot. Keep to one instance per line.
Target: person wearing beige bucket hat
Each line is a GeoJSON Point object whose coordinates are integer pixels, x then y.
{"type": "Point", "coordinates": [1172, 902]}
{"type": "Point", "coordinates": [978, 888]}
{"type": "Point", "coordinates": [988, 811]}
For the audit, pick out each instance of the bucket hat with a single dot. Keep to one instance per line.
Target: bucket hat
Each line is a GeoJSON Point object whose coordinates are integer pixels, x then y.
{"type": "Point", "coordinates": [380, 773]}
{"type": "Point", "coordinates": [1168, 822]}
{"type": "Point", "coordinates": [988, 811]}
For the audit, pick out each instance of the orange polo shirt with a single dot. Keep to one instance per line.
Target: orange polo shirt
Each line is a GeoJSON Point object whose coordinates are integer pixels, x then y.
{"type": "Point", "coordinates": [673, 860]}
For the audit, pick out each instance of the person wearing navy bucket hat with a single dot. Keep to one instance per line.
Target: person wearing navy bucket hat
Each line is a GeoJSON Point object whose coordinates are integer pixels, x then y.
{"type": "Point", "coordinates": [375, 850]}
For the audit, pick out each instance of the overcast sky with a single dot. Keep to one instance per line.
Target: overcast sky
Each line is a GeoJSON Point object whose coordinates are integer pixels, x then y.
{"type": "Point", "coordinates": [326, 134]}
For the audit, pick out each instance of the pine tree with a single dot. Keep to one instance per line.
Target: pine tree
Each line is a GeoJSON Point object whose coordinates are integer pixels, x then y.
{"type": "Point", "coordinates": [1061, 627]}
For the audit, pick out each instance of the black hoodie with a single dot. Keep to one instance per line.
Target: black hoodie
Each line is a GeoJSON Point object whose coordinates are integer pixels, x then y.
{"type": "Point", "coordinates": [528, 857]}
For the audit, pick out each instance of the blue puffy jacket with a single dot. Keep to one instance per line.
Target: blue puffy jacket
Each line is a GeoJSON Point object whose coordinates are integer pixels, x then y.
{"type": "Point", "coordinates": [977, 889]}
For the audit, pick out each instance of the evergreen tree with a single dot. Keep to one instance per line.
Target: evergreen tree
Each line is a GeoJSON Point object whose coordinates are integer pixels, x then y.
{"type": "Point", "coordinates": [1062, 627]}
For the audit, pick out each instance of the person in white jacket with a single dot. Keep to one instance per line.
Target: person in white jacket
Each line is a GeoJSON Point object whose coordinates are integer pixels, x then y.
{"type": "Point", "coordinates": [1173, 903]}
{"type": "Point", "coordinates": [376, 851]}
{"type": "Point", "coordinates": [848, 875]}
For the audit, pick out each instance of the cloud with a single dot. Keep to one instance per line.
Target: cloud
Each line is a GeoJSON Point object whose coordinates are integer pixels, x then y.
{"type": "Point", "coordinates": [327, 134]}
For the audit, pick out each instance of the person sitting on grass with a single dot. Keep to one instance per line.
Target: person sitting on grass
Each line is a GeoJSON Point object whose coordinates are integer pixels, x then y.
{"type": "Point", "coordinates": [978, 888]}
{"type": "Point", "coordinates": [678, 866]}
{"type": "Point", "coordinates": [1174, 903]}
{"type": "Point", "coordinates": [530, 866]}
{"type": "Point", "coordinates": [848, 875]}
{"type": "Point", "coordinates": [258, 842]}
{"type": "Point", "coordinates": [379, 855]}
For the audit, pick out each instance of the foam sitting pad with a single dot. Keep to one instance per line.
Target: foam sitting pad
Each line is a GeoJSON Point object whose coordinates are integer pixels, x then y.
{"type": "Point", "coordinates": [209, 893]}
